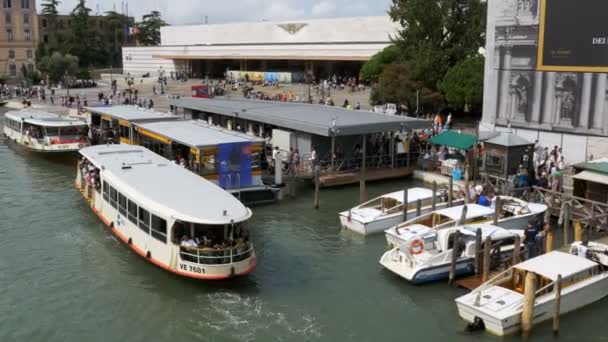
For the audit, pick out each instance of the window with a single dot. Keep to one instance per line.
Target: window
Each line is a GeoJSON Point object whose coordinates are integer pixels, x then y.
{"type": "Point", "coordinates": [113, 197]}
{"type": "Point", "coordinates": [25, 3]}
{"type": "Point", "coordinates": [7, 3]}
{"type": "Point", "coordinates": [45, 38]}
{"type": "Point", "coordinates": [159, 228]}
{"type": "Point", "coordinates": [44, 23]}
{"type": "Point", "coordinates": [30, 68]}
{"type": "Point", "coordinates": [7, 18]}
{"type": "Point", "coordinates": [9, 34]}
{"type": "Point", "coordinates": [106, 191]}
{"type": "Point", "coordinates": [30, 54]}
{"type": "Point", "coordinates": [124, 132]}
{"type": "Point", "coordinates": [11, 53]}
{"type": "Point", "coordinates": [13, 70]}
{"type": "Point", "coordinates": [52, 131]}
{"type": "Point", "coordinates": [122, 204]}
{"type": "Point", "coordinates": [132, 212]}
{"type": "Point", "coordinates": [144, 220]}
{"type": "Point", "coordinates": [26, 19]}
{"type": "Point", "coordinates": [28, 34]}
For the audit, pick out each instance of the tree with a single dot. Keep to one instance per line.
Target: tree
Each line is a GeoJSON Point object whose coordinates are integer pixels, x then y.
{"type": "Point", "coordinates": [463, 84]}
{"type": "Point", "coordinates": [149, 28]}
{"type": "Point", "coordinates": [398, 85]}
{"type": "Point", "coordinates": [373, 68]}
{"type": "Point", "coordinates": [84, 43]}
{"type": "Point", "coordinates": [435, 35]}
{"type": "Point", "coordinates": [115, 36]}
{"type": "Point", "coordinates": [49, 8]}
{"type": "Point", "coordinates": [60, 68]}
{"type": "Point", "coordinates": [49, 13]}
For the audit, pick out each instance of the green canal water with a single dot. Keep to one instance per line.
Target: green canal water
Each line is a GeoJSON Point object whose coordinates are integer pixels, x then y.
{"type": "Point", "coordinates": [64, 277]}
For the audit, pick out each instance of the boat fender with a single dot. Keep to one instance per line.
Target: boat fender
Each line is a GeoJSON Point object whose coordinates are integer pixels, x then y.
{"type": "Point", "coordinates": [416, 247]}
{"type": "Point", "coordinates": [350, 216]}
{"type": "Point", "coordinates": [232, 271]}
{"type": "Point", "coordinates": [477, 325]}
{"type": "Point", "coordinates": [148, 255]}
{"type": "Point", "coordinates": [130, 242]}
{"type": "Point", "coordinates": [80, 145]}
{"type": "Point", "coordinates": [112, 225]}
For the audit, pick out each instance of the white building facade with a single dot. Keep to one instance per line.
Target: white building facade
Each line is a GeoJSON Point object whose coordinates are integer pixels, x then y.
{"type": "Point", "coordinates": [567, 109]}
{"type": "Point", "coordinates": [320, 46]}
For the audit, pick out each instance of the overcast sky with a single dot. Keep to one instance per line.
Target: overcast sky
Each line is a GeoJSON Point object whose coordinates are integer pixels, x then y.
{"type": "Point", "coordinates": [194, 11]}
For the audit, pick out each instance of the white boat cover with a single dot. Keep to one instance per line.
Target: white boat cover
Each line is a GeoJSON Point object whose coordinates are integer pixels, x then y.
{"type": "Point", "coordinates": [473, 211]}
{"type": "Point", "coordinates": [552, 264]}
{"type": "Point", "coordinates": [413, 195]}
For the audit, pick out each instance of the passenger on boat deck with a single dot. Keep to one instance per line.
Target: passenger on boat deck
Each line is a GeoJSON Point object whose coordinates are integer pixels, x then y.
{"type": "Point", "coordinates": [188, 242]}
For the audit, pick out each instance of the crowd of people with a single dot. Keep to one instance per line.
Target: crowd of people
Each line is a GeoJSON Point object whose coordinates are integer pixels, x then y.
{"type": "Point", "coordinates": [209, 248]}
{"type": "Point", "coordinates": [89, 174]}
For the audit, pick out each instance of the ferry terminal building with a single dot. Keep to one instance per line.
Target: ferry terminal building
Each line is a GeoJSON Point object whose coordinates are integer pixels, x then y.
{"type": "Point", "coordinates": [323, 47]}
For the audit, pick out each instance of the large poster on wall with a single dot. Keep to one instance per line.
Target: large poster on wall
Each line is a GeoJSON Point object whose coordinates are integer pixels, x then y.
{"type": "Point", "coordinates": [573, 36]}
{"type": "Point", "coordinates": [234, 161]}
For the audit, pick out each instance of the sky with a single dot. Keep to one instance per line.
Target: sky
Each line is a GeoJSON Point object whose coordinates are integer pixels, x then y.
{"type": "Point", "coordinates": [177, 12]}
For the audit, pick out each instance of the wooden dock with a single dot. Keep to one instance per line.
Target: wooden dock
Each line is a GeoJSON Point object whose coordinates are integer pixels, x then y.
{"type": "Point", "coordinates": [346, 178]}
{"type": "Point", "coordinates": [472, 282]}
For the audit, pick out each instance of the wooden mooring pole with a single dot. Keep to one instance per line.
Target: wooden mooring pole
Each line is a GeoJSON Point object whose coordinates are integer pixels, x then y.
{"type": "Point", "coordinates": [454, 259]}
{"type": "Point", "coordinates": [478, 252]}
{"type": "Point", "coordinates": [450, 191]}
{"type": "Point", "coordinates": [418, 207]}
{"type": "Point", "coordinates": [566, 224]}
{"type": "Point", "coordinates": [434, 195]}
{"type": "Point", "coordinates": [516, 250]}
{"type": "Point", "coordinates": [317, 172]}
{"type": "Point", "coordinates": [558, 303]}
{"type": "Point", "coordinates": [549, 241]}
{"type": "Point", "coordinates": [463, 215]}
{"type": "Point", "coordinates": [405, 204]}
{"type": "Point", "coordinates": [487, 248]}
{"type": "Point", "coordinates": [362, 190]}
{"type": "Point", "coordinates": [578, 231]}
{"type": "Point", "coordinates": [497, 209]}
{"type": "Point", "coordinates": [527, 316]}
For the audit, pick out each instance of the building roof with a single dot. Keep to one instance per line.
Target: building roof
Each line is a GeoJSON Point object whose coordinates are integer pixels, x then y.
{"type": "Point", "coordinates": [552, 264]}
{"type": "Point", "coordinates": [508, 140]}
{"type": "Point", "coordinates": [376, 29]}
{"type": "Point", "coordinates": [131, 113]}
{"type": "Point", "coordinates": [592, 176]}
{"type": "Point", "coordinates": [599, 165]}
{"type": "Point", "coordinates": [473, 211]}
{"type": "Point", "coordinates": [453, 139]}
{"type": "Point", "coordinates": [163, 187]}
{"type": "Point", "coordinates": [198, 133]}
{"type": "Point", "coordinates": [310, 118]}
{"type": "Point", "coordinates": [44, 118]}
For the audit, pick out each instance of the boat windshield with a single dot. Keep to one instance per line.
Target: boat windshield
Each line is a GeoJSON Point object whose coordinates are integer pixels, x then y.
{"type": "Point", "coordinates": [212, 244]}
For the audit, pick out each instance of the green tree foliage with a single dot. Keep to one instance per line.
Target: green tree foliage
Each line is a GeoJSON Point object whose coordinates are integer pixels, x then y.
{"type": "Point", "coordinates": [373, 68]}
{"type": "Point", "coordinates": [49, 7]}
{"type": "Point", "coordinates": [60, 68]}
{"type": "Point", "coordinates": [149, 27]}
{"type": "Point", "coordinates": [116, 24]}
{"type": "Point", "coordinates": [84, 42]}
{"type": "Point", "coordinates": [463, 84]}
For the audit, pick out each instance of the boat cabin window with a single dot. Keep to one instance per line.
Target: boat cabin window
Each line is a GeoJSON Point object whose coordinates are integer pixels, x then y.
{"type": "Point", "coordinates": [159, 228]}
{"type": "Point", "coordinates": [12, 124]}
{"type": "Point", "coordinates": [33, 131]}
{"type": "Point", "coordinates": [122, 204]}
{"type": "Point", "coordinates": [144, 220]}
{"type": "Point", "coordinates": [72, 131]}
{"type": "Point", "coordinates": [132, 212]}
{"type": "Point", "coordinates": [124, 132]}
{"type": "Point", "coordinates": [106, 191]}
{"type": "Point", "coordinates": [113, 197]}
{"type": "Point", "coordinates": [52, 131]}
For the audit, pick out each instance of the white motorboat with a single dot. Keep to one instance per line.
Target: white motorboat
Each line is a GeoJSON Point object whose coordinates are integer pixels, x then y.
{"type": "Point", "coordinates": [427, 254]}
{"type": "Point", "coordinates": [514, 214]}
{"type": "Point", "coordinates": [497, 305]}
{"type": "Point", "coordinates": [383, 212]}
{"type": "Point", "coordinates": [45, 132]}
{"type": "Point", "coordinates": [170, 216]}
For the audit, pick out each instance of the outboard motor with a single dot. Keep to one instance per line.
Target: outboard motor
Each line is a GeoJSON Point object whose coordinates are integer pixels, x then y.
{"type": "Point", "coordinates": [477, 325]}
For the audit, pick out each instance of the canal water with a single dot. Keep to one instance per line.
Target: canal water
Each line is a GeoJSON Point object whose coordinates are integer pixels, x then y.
{"type": "Point", "coordinates": [64, 277]}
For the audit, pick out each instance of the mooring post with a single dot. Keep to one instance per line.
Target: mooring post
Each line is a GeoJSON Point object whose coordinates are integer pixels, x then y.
{"type": "Point", "coordinates": [362, 190]}
{"type": "Point", "coordinates": [566, 216]}
{"type": "Point", "coordinates": [405, 204]}
{"type": "Point", "coordinates": [527, 316]}
{"type": "Point", "coordinates": [578, 231]}
{"type": "Point", "coordinates": [558, 302]}
{"type": "Point", "coordinates": [516, 250]}
{"type": "Point", "coordinates": [454, 259]}
{"type": "Point", "coordinates": [317, 172]}
{"type": "Point", "coordinates": [549, 241]}
{"type": "Point", "coordinates": [467, 197]}
{"type": "Point", "coordinates": [478, 252]}
{"type": "Point", "coordinates": [418, 207]}
{"type": "Point", "coordinates": [434, 195]}
{"type": "Point", "coordinates": [463, 215]}
{"type": "Point", "coordinates": [487, 248]}
{"type": "Point", "coordinates": [585, 234]}
{"type": "Point", "coordinates": [450, 191]}
{"type": "Point", "coordinates": [497, 209]}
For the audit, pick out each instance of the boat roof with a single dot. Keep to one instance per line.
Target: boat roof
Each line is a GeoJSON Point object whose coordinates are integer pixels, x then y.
{"type": "Point", "coordinates": [552, 264]}
{"type": "Point", "coordinates": [413, 194]}
{"type": "Point", "coordinates": [45, 119]}
{"type": "Point", "coordinates": [492, 231]}
{"type": "Point", "coordinates": [131, 113]}
{"type": "Point", "coordinates": [473, 211]}
{"type": "Point", "coordinates": [198, 133]}
{"type": "Point", "coordinates": [161, 185]}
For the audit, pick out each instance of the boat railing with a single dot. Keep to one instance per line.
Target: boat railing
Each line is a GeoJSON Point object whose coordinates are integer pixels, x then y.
{"type": "Point", "coordinates": [213, 256]}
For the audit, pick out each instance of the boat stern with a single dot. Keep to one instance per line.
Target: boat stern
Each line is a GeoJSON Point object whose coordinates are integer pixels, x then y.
{"type": "Point", "coordinates": [496, 307]}
{"type": "Point", "coordinates": [396, 262]}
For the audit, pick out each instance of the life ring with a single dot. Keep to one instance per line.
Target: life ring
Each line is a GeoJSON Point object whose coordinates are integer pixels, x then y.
{"type": "Point", "coordinates": [416, 247]}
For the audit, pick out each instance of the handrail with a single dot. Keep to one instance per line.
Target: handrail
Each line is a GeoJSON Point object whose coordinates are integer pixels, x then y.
{"type": "Point", "coordinates": [184, 251]}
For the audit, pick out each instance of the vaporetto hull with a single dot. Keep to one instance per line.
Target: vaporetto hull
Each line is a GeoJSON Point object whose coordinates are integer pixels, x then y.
{"type": "Point", "coordinates": [35, 145]}
{"type": "Point", "coordinates": [572, 298]}
{"type": "Point", "coordinates": [162, 255]}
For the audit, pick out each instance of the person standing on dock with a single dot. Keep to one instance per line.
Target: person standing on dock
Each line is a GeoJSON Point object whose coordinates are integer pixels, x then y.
{"type": "Point", "coordinates": [530, 239]}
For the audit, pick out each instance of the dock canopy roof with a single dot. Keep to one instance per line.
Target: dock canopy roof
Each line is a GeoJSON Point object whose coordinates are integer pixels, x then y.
{"type": "Point", "coordinates": [197, 133]}
{"type": "Point", "coordinates": [591, 176]}
{"type": "Point", "coordinates": [453, 139]}
{"type": "Point", "coordinates": [310, 118]}
{"type": "Point", "coordinates": [45, 119]}
{"type": "Point", "coordinates": [131, 113]}
{"type": "Point", "coordinates": [599, 165]}
{"type": "Point", "coordinates": [552, 264]}
{"type": "Point", "coordinates": [508, 140]}
{"type": "Point", "coordinates": [162, 186]}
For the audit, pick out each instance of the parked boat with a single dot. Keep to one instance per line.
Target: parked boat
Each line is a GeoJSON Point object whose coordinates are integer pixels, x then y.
{"type": "Point", "coordinates": [514, 214]}
{"type": "Point", "coordinates": [497, 305]}
{"type": "Point", "coordinates": [426, 254]}
{"type": "Point", "coordinates": [45, 132]}
{"type": "Point", "coordinates": [168, 215]}
{"type": "Point", "coordinates": [383, 212]}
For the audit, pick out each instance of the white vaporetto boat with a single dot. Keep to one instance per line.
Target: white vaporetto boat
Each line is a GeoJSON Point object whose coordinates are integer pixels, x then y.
{"type": "Point", "coordinates": [497, 305]}
{"type": "Point", "coordinates": [514, 214]}
{"type": "Point", "coordinates": [45, 132]}
{"type": "Point", "coordinates": [383, 212]}
{"type": "Point", "coordinates": [427, 254]}
{"type": "Point", "coordinates": [168, 215]}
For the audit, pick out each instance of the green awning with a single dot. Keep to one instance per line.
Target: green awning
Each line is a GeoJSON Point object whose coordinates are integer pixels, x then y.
{"type": "Point", "coordinates": [455, 140]}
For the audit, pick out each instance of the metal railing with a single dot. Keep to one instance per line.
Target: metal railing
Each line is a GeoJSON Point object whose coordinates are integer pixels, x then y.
{"type": "Point", "coordinates": [210, 256]}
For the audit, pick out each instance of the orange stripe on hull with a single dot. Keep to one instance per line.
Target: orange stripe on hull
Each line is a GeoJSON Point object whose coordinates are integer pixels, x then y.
{"type": "Point", "coordinates": [160, 264]}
